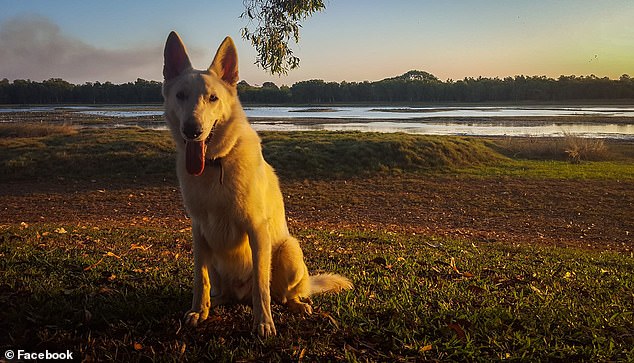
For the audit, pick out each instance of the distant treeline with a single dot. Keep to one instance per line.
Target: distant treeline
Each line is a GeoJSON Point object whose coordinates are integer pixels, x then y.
{"type": "Point", "coordinates": [413, 86]}
{"type": "Point", "coordinates": [56, 90]}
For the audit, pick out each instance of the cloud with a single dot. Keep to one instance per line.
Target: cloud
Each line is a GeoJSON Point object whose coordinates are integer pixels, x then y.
{"type": "Point", "coordinates": [33, 47]}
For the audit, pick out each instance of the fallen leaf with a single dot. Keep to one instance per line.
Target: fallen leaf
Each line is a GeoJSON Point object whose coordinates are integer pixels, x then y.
{"type": "Point", "coordinates": [93, 265]}
{"type": "Point", "coordinates": [110, 254]}
{"type": "Point", "coordinates": [452, 264]}
{"type": "Point", "coordinates": [332, 320]}
{"type": "Point", "coordinates": [426, 348]}
{"type": "Point", "coordinates": [460, 333]}
{"type": "Point", "coordinates": [135, 246]}
{"type": "Point", "coordinates": [538, 292]}
{"type": "Point", "coordinates": [60, 230]}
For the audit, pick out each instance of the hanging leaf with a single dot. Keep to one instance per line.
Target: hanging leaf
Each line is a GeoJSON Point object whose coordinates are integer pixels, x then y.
{"type": "Point", "coordinates": [276, 24]}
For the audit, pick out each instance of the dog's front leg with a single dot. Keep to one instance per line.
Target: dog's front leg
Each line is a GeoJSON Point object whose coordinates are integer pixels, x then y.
{"type": "Point", "coordinates": [201, 301]}
{"type": "Point", "coordinates": [260, 242]}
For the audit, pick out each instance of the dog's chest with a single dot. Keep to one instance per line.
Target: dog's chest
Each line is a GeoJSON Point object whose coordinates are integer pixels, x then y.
{"type": "Point", "coordinates": [214, 208]}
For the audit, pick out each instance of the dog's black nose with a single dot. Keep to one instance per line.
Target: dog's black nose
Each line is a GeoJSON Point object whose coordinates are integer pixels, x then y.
{"type": "Point", "coordinates": [192, 130]}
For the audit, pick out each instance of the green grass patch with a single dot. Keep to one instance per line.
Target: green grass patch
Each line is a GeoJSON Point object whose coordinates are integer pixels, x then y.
{"type": "Point", "coordinates": [553, 169]}
{"type": "Point", "coordinates": [354, 154]}
{"type": "Point", "coordinates": [88, 154]}
{"type": "Point", "coordinates": [119, 294]}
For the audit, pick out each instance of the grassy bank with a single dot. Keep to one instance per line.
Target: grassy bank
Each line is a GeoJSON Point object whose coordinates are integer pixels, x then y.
{"type": "Point", "coordinates": [44, 152]}
{"type": "Point", "coordinates": [118, 294]}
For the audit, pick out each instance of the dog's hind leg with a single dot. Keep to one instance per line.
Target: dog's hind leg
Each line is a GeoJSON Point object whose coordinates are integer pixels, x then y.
{"type": "Point", "coordinates": [290, 277]}
{"type": "Point", "coordinates": [298, 307]}
{"type": "Point", "coordinates": [201, 300]}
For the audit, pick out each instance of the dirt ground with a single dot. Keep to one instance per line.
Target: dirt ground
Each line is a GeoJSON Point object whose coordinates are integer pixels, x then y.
{"type": "Point", "coordinates": [596, 214]}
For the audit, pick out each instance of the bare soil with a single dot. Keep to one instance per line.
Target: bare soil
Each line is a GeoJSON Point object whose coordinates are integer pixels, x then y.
{"type": "Point", "coordinates": [596, 214]}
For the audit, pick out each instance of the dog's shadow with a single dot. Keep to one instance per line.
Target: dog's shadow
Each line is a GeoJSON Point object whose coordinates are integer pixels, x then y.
{"type": "Point", "coordinates": [109, 314]}
{"type": "Point", "coordinates": [96, 320]}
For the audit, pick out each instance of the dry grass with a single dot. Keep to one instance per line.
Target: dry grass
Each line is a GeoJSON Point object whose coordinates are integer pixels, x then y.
{"type": "Point", "coordinates": [570, 147]}
{"type": "Point", "coordinates": [579, 148]}
{"type": "Point", "coordinates": [34, 130]}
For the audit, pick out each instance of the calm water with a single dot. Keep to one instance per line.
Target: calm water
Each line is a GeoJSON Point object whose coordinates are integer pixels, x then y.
{"type": "Point", "coordinates": [405, 113]}
{"type": "Point", "coordinates": [617, 131]}
{"type": "Point", "coordinates": [487, 121]}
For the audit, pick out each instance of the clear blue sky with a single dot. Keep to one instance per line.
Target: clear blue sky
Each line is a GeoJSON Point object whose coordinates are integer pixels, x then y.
{"type": "Point", "coordinates": [351, 40]}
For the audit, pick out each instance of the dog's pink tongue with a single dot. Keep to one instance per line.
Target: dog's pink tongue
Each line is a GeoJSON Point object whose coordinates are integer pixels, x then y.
{"type": "Point", "coordinates": [195, 157]}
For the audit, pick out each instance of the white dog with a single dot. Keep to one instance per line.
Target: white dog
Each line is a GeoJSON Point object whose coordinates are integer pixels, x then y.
{"type": "Point", "coordinates": [243, 251]}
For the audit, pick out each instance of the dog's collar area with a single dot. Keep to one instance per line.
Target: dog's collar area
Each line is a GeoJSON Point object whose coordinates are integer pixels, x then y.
{"type": "Point", "coordinates": [216, 163]}
{"type": "Point", "coordinates": [211, 133]}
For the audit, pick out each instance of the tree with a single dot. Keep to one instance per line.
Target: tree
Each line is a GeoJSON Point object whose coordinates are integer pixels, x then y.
{"type": "Point", "coordinates": [276, 23]}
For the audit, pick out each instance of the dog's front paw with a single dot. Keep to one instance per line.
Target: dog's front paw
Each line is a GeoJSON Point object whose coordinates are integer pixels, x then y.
{"type": "Point", "coordinates": [266, 329]}
{"type": "Point", "coordinates": [193, 318]}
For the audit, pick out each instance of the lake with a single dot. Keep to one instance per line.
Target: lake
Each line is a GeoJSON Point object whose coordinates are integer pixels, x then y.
{"type": "Point", "coordinates": [535, 121]}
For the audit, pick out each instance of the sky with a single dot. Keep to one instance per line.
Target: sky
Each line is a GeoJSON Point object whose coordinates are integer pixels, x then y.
{"type": "Point", "coordinates": [351, 40]}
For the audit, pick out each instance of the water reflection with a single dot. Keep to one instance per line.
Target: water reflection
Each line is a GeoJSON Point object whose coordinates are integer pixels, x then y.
{"type": "Point", "coordinates": [477, 121]}
{"type": "Point", "coordinates": [424, 120]}
{"type": "Point", "coordinates": [429, 112]}
{"type": "Point", "coordinates": [621, 131]}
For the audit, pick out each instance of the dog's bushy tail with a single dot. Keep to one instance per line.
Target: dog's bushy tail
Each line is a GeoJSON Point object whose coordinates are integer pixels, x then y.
{"type": "Point", "coordinates": [328, 283]}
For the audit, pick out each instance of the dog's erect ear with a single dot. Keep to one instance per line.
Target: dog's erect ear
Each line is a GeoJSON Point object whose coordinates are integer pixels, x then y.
{"type": "Point", "coordinates": [225, 64]}
{"type": "Point", "coordinates": [176, 59]}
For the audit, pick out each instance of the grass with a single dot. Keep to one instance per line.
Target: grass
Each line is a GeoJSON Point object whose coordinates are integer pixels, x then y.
{"type": "Point", "coordinates": [118, 294]}
{"type": "Point", "coordinates": [86, 154]}
{"type": "Point", "coordinates": [570, 148]}
{"type": "Point", "coordinates": [14, 130]}
{"type": "Point", "coordinates": [553, 169]}
{"type": "Point", "coordinates": [135, 153]}
{"type": "Point", "coordinates": [353, 154]}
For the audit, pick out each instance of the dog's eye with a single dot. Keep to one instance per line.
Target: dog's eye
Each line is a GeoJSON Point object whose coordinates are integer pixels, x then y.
{"type": "Point", "coordinates": [213, 98]}
{"type": "Point", "coordinates": [180, 95]}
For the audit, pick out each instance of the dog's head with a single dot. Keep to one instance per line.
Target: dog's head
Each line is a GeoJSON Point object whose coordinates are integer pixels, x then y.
{"type": "Point", "coordinates": [197, 101]}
